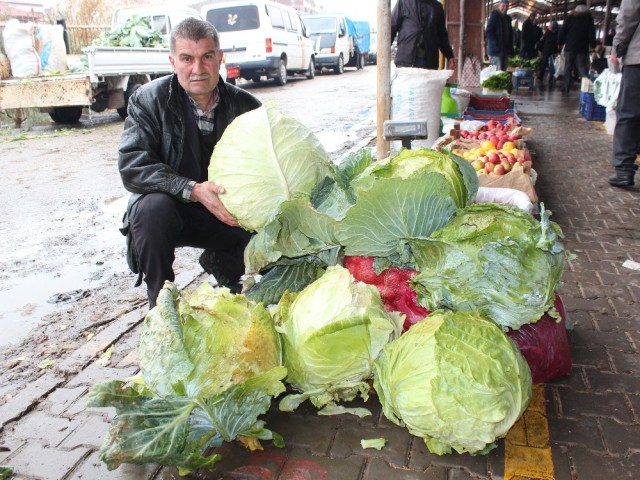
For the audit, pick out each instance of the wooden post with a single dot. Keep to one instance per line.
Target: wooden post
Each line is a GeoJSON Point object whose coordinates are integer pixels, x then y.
{"type": "Point", "coordinates": [384, 75]}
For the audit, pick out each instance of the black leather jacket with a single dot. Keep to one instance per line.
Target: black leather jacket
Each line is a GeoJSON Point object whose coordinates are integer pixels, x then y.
{"type": "Point", "coordinates": [153, 140]}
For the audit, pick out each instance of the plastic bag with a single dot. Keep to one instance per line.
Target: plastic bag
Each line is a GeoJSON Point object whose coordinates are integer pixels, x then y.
{"type": "Point", "coordinates": [19, 45]}
{"type": "Point", "coordinates": [606, 89]}
{"type": "Point", "coordinates": [51, 48]}
{"type": "Point", "coordinates": [487, 72]}
{"type": "Point", "coordinates": [545, 346]}
{"type": "Point", "coordinates": [505, 196]}
{"type": "Point", "coordinates": [559, 65]}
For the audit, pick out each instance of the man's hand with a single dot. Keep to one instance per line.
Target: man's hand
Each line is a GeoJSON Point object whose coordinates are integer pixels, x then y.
{"type": "Point", "coordinates": [207, 194]}
{"type": "Point", "coordinates": [452, 63]}
{"type": "Point", "coordinates": [614, 59]}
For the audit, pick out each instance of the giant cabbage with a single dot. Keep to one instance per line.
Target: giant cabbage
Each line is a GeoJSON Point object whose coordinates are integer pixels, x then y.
{"type": "Point", "coordinates": [455, 380]}
{"type": "Point", "coordinates": [332, 331]}
{"type": "Point", "coordinates": [495, 259]}
{"type": "Point", "coordinates": [210, 363]}
{"type": "Point", "coordinates": [262, 159]}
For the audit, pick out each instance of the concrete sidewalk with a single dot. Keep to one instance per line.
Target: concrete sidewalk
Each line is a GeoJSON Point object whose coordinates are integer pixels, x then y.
{"type": "Point", "coordinates": [586, 426]}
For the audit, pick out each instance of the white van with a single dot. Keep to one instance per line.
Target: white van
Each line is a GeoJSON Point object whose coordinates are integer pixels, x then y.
{"type": "Point", "coordinates": [263, 38]}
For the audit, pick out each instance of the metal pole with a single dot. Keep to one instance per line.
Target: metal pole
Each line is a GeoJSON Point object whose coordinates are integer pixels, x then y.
{"type": "Point", "coordinates": [384, 75]}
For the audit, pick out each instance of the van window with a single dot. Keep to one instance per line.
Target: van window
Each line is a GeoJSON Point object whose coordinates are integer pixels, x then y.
{"type": "Point", "coordinates": [289, 22]}
{"type": "Point", "coordinates": [159, 23]}
{"type": "Point", "coordinates": [320, 24]}
{"type": "Point", "coordinates": [234, 19]}
{"type": "Point", "coordinates": [276, 16]}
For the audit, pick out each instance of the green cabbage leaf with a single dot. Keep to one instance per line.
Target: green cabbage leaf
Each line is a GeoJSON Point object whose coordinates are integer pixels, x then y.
{"type": "Point", "coordinates": [455, 380]}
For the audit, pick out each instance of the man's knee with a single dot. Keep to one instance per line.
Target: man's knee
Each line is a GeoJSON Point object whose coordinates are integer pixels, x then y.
{"type": "Point", "coordinates": [157, 210]}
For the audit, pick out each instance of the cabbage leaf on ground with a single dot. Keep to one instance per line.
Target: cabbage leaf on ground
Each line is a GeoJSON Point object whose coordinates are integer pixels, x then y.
{"type": "Point", "coordinates": [455, 380]}
{"type": "Point", "coordinates": [210, 362]}
{"type": "Point", "coordinates": [495, 259]}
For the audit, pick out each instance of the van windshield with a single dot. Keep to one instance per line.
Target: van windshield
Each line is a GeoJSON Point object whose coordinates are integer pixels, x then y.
{"type": "Point", "coordinates": [234, 19]}
{"type": "Point", "coordinates": [320, 24]}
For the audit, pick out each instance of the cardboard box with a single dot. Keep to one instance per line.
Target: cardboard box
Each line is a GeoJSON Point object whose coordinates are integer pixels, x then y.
{"type": "Point", "coordinates": [518, 179]}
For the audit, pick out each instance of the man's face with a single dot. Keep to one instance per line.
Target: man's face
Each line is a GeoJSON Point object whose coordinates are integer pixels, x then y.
{"type": "Point", "coordinates": [504, 7]}
{"type": "Point", "coordinates": [197, 66]}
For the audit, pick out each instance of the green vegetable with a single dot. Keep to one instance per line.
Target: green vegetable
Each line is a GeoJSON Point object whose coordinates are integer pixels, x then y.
{"type": "Point", "coordinates": [332, 331]}
{"type": "Point", "coordinates": [495, 259]}
{"type": "Point", "coordinates": [210, 365]}
{"type": "Point", "coordinates": [135, 32]}
{"type": "Point", "coordinates": [5, 472]}
{"type": "Point", "coordinates": [499, 81]}
{"type": "Point", "coordinates": [282, 161]}
{"type": "Point", "coordinates": [377, 443]}
{"type": "Point", "coordinates": [529, 64]}
{"type": "Point", "coordinates": [455, 380]}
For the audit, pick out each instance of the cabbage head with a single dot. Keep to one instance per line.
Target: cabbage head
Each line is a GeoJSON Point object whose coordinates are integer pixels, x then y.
{"type": "Point", "coordinates": [210, 365]}
{"type": "Point", "coordinates": [495, 259]}
{"type": "Point", "coordinates": [262, 159]}
{"type": "Point", "coordinates": [455, 380]}
{"type": "Point", "coordinates": [332, 331]}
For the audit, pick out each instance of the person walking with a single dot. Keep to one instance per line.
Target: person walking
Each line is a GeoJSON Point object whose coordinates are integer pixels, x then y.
{"type": "Point", "coordinates": [626, 135]}
{"type": "Point", "coordinates": [577, 37]}
{"type": "Point", "coordinates": [548, 47]}
{"type": "Point", "coordinates": [421, 28]}
{"type": "Point", "coordinates": [499, 36]}
{"type": "Point", "coordinates": [173, 125]}
{"type": "Point", "coordinates": [530, 35]}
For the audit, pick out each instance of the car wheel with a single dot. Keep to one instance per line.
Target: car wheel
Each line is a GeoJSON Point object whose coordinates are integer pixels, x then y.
{"type": "Point", "coordinates": [281, 74]}
{"type": "Point", "coordinates": [256, 79]}
{"type": "Point", "coordinates": [311, 72]}
{"type": "Point", "coordinates": [66, 114]}
{"type": "Point", "coordinates": [339, 69]}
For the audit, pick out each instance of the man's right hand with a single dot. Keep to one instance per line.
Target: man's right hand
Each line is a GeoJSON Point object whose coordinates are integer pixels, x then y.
{"type": "Point", "coordinates": [207, 193]}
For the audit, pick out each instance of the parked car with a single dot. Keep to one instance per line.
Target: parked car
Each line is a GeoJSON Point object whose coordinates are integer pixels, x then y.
{"type": "Point", "coordinates": [263, 38]}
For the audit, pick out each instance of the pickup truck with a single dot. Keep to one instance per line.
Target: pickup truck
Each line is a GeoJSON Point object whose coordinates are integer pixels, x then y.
{"type": "Point", "coordinates": [113, 74]}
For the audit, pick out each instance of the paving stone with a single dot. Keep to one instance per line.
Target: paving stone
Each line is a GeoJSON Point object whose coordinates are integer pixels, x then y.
{"type": "Point", "coordinates": [95, 373]}
{"type": "Point", "coordinates": [89, 434]}
{"type": "Point", "coordinates": [306, 431]}
{"type": "Point", "coordinates": [32, 393]}
{"type": "Point", "coordinates": [94, 469]}
{"type": "Point", "coordinates": [616, 339]}
{"type": "Point", "coordinates": [625, 363]}
{"type": "Point", "coordinates": [562, 469]}
{"type": "Point", "coordinates": [620, 438]}
{"type": "Point", "coordinates": [613, 382]}
{"type": "Point", "coordinates": [9, 445]}
{"type": "Point", "coordinates": [601, 404]}
{"type": "Point", "coordinates": [48, 430]}
{"type": "Point", "coordinates": [577, 431]}
{"type": "Point", "coordinates": [592, 355]}
{"type": "Point", "coordinates": [421, 459]}
{"type": "Point", "coordinates": [588, 464]}
{"type": "Point", "coordinates": [60, 399]}
{"type": "Point", "coordinates": [395, 452]}
{"type": "Point", "coordinates": [625, 308]}
{"type": "Point", "coordinates": [377, 469]}
{"type": "Point", "coordinates": [37, 461]}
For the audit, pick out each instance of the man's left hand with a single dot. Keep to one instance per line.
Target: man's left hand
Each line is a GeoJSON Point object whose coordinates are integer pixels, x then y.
{"type": "Point", "coordinates": [207, 193]}
{"type": "Point", "coordinates": [452, 63]}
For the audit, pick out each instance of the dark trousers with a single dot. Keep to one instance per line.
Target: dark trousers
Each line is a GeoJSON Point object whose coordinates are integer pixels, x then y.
{"type": "Point", "coordinates": [578, 60]}
{"type": "Point", "coordinates": [160, 224]}
{"type": "Point", "coordinates": [626, 136]}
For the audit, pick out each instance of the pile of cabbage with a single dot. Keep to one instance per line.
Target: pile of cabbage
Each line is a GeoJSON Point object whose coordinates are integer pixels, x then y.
{"type": "Point", "coordinates": [212, 363]}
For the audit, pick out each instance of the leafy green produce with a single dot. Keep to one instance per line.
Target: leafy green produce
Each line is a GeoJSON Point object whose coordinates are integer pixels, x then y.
{"type": "Point", "coordinates": [284, 160]}
{"type": "Point", "coordinates": [332, 331]}
{"type": "Point", "coordinates": [499, 81]}
{"type": "Point", "coordinates": [495, 259]}
{"type": "Point", "coordinates": [135, 32]}
{"type": "Point", "coordinates": [210, 364]}
{"type": "Point", "coordinates": [455, 380]}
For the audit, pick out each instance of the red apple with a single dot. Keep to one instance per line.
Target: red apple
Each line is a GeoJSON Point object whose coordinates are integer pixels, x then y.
{"type": "Point", "coordinates": [488, 167]}
{"type": "Point", "coordinates": [498, 169]}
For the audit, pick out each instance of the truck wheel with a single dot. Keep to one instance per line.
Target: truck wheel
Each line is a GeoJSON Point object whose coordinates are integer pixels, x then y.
{"type": "Point", "coordinates": [127, 95]}
{"type": "Point", "coordinates": [66, 114]}
{"type": "Point", "coordinates": [339, 69]}
{"type": "Point", "coordinates": [311, 72]}
{"type": "Point", "coordinates": [281, 74]}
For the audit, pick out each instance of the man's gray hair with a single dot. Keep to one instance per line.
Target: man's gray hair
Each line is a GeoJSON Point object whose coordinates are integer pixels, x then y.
{"type": "Point", "coordinates": [193, 29]}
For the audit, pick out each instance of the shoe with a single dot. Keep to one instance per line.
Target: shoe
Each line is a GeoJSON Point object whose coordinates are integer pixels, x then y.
{"type": "Point", "coordinates": [211, 265]}
{"type": "Point", "coordinates": [622, 181]}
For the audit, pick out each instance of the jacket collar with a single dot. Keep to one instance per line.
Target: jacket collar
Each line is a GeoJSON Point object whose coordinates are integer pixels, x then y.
{"type": "Point", "coordinates": [175, 91]}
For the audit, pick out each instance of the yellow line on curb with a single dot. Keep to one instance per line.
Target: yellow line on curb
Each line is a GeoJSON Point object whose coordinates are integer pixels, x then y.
{"type": "Point", "coordinates": [527, 445]}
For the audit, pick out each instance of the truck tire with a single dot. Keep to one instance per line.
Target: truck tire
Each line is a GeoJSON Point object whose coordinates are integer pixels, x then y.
{"type": "Point", "coordinates": [281, 74]}
{"type": "Point", "coordinates": [339, 69]}
{"type": "Point", "coordinates": [127, 95]}
{"type": "Point", "coordinates": [66, 114]}
{"type": "Point", "coordinates": [311, 72]}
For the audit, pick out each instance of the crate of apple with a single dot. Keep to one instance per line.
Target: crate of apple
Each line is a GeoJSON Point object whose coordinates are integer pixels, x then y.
{"type": "Point", "coordinates": [490, 159]}
{"type": "Point", "coordinates": [494, 131]}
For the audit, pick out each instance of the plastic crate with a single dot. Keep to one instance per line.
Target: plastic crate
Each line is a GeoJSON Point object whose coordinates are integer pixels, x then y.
{"type": "Point", "coordinates": [590, 110]}
{"type": "Point", "coordinates": [490, 102]}
{"type": "Point", "coordinates": [486, 115]}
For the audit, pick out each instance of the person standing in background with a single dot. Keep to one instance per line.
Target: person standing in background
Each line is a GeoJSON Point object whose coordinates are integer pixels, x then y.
{"type": "Point", "coordinates": [626, 135]}
{"type": "Point", "coordinates": [499, 35]}
{"type": "Point", "coordinates": [517, 34]}
{"type": "Point", "coordinates": [422, 33]}
{"type": "Point", "coordinates": [530, 35]}
{"type": "Point", "coordinates": [577, 36]}
{"type": "Point", "coordinates": [548, 47]}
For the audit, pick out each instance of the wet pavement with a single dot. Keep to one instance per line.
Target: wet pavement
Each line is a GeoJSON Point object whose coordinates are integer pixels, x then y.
{"type": "Point", "coordinates": [586, 426]}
